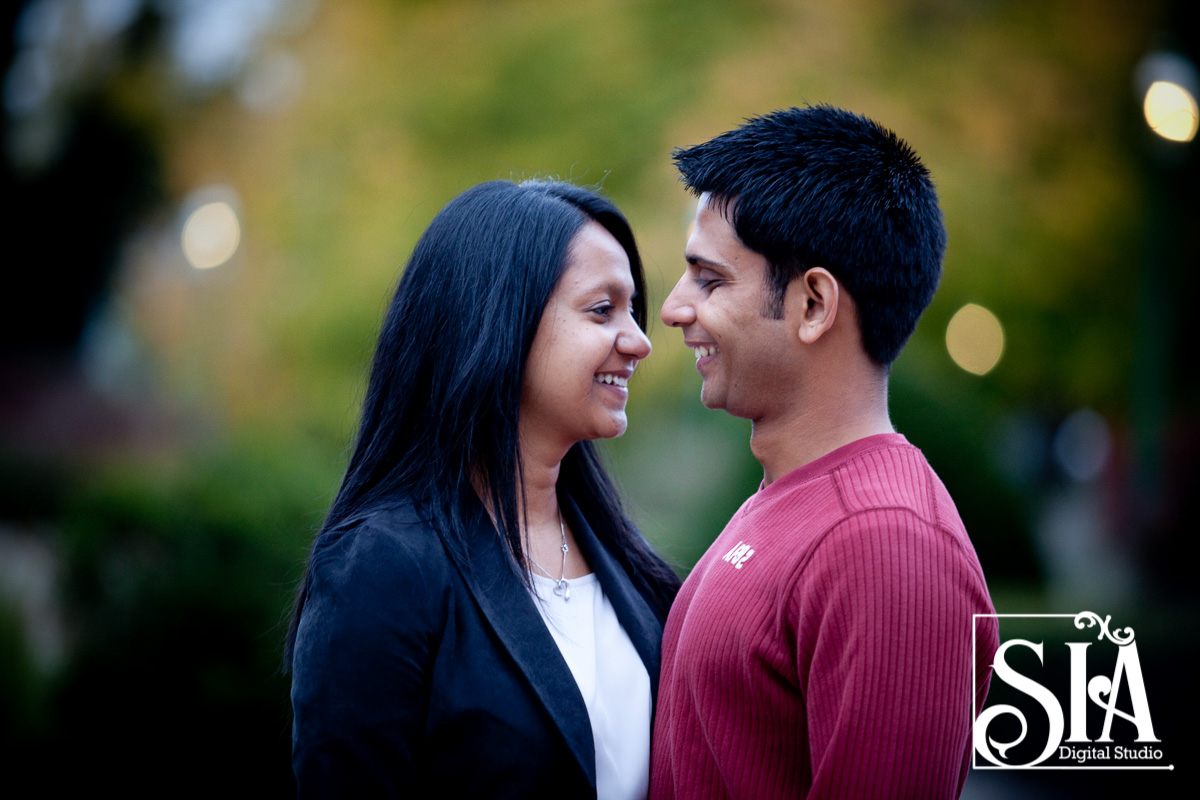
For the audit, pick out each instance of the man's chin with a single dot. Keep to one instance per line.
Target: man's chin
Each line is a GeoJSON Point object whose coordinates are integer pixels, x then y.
{"type": "Point", "coordinates": [718, 402]}
{"type": "Point", "coordinates": [710, 399]}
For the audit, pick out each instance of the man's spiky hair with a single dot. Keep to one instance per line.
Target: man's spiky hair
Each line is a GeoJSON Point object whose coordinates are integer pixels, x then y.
{"type": "Point", "coordinates": [823, 187]}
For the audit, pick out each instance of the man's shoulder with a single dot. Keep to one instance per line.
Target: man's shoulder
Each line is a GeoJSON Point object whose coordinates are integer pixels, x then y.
{"type": "Point", "coordinates": [895, 477]}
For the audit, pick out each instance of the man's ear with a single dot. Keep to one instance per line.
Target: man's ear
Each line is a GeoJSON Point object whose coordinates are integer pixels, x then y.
{"type": "Point", "coordinates": [811, 305]}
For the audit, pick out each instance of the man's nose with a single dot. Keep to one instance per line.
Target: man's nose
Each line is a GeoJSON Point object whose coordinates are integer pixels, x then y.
{"type": "Point", "coordinates": [677, 309]}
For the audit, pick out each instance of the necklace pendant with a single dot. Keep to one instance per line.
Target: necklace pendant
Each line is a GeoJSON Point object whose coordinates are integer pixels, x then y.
{"type": "Point", "coordinates": [562, 589]}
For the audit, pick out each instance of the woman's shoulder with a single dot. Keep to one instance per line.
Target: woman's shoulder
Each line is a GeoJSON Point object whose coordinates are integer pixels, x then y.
{"type": "Point", "coordinates": [379, 589]}
{"type": "Point", "coordinates": [392, 545]}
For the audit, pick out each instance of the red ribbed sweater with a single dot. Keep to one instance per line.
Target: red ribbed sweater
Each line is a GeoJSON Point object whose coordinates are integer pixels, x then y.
{"type": "Point", "coordinates": [822, 647]}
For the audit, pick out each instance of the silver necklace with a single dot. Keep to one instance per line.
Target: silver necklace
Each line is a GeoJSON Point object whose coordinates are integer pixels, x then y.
{"type": "Point", "coordinates": [561, 587]}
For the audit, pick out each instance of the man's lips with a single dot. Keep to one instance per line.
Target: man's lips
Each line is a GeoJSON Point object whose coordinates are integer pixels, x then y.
{"type": "Point", "coordinates": [705, 351]}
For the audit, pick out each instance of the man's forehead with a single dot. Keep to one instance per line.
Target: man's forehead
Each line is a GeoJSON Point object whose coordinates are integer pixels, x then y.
{"type": "Point", "coordinates": [712, 235]}
{"type": "Point", "coordinates": [717, 205]}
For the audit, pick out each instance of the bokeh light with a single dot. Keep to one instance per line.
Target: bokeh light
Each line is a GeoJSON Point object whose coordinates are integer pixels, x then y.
{"type": "Point", "coordinates": [1082, 445]}
{"type": "Point", "coordinates": [975, 339]}
{"type": "Point", "coordinates": [1171, 111]}
{"type": "Point", "coordinates": [211, 235]}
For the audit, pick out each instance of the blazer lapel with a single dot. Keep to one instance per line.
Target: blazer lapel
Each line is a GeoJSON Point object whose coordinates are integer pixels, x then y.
{"type": "Point", "coordinates": [635, 615]}
{"type": "Point", "coordinates": [509, 608]}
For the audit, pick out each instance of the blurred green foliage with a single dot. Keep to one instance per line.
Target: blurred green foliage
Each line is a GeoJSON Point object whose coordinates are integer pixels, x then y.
{"type": "Point", "coordinates": [175, 582]}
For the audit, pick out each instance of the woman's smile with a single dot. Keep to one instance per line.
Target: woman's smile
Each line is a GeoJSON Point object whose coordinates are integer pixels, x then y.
{"type": "Point", "coordinates": [587, 341]}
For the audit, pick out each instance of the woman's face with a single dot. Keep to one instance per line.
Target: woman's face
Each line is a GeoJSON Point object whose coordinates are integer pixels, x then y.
{"type": "Point", "coordinates": [586, 348]}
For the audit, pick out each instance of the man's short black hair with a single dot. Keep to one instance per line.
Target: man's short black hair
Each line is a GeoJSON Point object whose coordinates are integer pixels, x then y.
{"type": "Point", "coordinates": [823, 187]}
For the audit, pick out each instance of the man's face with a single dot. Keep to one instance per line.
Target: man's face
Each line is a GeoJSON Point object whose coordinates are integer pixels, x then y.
{"type": "Point", "coordinates": [721, 305]}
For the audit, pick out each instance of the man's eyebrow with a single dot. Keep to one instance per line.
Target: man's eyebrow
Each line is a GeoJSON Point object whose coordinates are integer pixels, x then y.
{"type": "Point", "coordinates": [701, 261]}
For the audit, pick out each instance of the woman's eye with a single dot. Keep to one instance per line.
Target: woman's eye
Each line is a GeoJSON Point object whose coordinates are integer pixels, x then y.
{"type": "Point", "coordinates": [604, 311]}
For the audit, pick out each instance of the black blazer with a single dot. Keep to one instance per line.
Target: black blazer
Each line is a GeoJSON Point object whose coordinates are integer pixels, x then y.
{"type": "Point", "coordinates": [417, 672]}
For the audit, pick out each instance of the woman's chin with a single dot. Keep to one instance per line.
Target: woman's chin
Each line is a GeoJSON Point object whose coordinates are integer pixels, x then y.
{"type": "Point", "coordinates": [613, 428]}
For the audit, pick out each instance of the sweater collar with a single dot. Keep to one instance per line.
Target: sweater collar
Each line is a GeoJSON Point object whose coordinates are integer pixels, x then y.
{"type": "Point", "coordinates": [828, 463]}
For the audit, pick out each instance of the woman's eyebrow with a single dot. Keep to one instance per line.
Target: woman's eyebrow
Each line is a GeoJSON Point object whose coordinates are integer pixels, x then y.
{"type": "Point", "coordinates": [611, 287]}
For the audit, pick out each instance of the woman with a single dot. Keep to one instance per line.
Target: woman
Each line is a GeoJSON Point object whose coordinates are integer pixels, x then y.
{"type": "Point", "coordinates": [479, 616]}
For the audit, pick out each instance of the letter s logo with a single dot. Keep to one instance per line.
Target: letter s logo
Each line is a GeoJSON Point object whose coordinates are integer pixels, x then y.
{"type": "Point", "coordinates": [1026, 686]}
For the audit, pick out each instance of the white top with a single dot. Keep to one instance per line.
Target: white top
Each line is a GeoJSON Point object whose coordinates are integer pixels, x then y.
{"type": "Point", "coordinates": [616, 690]}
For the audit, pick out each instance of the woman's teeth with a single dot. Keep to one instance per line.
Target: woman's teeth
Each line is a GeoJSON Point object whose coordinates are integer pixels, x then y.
{"type": "Point", "coordinates": [612, 380]}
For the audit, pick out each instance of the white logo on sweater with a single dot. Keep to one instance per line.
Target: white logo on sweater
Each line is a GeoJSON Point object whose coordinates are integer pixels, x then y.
{"type": "Point", "coordinates": [739, 555]}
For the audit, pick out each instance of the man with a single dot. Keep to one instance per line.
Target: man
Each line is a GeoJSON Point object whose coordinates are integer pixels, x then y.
{"type": "Point", "coordinates": [822, 647]}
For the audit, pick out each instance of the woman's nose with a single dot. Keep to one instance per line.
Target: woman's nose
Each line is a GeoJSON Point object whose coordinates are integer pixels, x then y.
{"type": "Point", "coordinates": [633, 342]}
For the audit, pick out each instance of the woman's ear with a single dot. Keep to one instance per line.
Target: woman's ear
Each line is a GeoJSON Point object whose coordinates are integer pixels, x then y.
{"type": "Point", "coordinates": [811, 305]}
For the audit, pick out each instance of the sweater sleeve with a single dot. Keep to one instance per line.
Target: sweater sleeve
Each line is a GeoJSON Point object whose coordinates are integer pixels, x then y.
{"type": "Point", "coordinates": [368, 633]}
{"type": "Point", "coordinates": [883, 616]}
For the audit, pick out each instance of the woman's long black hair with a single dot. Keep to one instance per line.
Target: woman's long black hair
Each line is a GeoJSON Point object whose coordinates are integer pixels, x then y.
{"type": "Point", "coordinates": [444, 394]}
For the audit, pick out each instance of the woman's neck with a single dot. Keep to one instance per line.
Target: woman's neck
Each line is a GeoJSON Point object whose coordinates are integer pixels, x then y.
{"type": "Point", "coordinates": [537, 494]}
{"type": "Point", "coordinates": [541, 463]}
{"type": "Point", "coordinates": [542, 526]}
{"type": "Point", "coordinates": [543, 529]}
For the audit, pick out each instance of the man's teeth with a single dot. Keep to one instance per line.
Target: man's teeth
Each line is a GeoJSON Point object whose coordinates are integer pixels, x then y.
{"type": "Point", "coordinates": [701, 352]}
{"type": "Point", "coordinates": [614, 380]}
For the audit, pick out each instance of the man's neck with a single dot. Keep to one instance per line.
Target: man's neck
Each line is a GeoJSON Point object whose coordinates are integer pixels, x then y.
{"type": "Point", "coordinates": [819, 423]}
